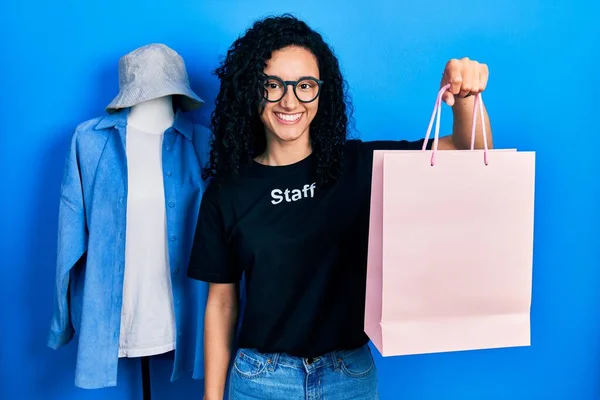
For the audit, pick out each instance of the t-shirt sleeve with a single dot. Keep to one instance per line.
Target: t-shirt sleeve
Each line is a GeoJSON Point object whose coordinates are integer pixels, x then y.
{"type": "Point", "coordinates": [363, 150]}
{"type": "Point", "coordinates": [211, 259]}
{"type": "Point", "coordinates": [395, 145]}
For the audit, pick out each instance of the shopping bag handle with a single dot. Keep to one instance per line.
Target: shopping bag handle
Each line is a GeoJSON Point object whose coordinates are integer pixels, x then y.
{"type": "Point", "coordinates": [437, 111]}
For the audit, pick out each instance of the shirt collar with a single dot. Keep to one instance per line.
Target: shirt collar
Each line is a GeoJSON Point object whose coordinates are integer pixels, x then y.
{"type": "Point", "coordinates": [182, 123]}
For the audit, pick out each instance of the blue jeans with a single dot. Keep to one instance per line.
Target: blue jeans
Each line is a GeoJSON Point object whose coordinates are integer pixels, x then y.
{"type": "Point", "coordinates": [339, 375]}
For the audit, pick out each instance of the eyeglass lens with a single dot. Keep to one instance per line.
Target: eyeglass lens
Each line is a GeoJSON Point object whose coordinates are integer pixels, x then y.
{"type": "Point", "coordinates": [306, 89]}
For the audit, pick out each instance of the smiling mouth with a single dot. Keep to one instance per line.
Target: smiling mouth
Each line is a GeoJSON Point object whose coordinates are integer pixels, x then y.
{"type": "Point", "coordinates": [288, 118]}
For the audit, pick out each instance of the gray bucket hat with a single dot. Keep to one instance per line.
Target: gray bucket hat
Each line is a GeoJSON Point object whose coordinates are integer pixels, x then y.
{"type": "Point", "coordinates": [150, 72]}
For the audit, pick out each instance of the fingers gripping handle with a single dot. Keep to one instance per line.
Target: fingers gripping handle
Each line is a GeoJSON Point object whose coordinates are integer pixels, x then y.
{"type": "Point", "coordinates": [437, 111]}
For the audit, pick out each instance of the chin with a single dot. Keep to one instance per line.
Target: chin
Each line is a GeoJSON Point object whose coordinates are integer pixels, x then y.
{"type": "Point", "coordinates": [289, 135]}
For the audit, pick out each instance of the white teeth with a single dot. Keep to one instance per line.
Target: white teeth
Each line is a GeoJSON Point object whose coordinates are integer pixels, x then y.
{"type": "Point", "coordinates": [289, 117]}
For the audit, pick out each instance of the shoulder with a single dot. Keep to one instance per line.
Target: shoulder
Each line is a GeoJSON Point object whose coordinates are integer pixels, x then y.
{"type": "Point", "coordinates": [90, 128]}
{"type": "Point", "coordinates": [218, 201]}
{"type": "Point", "coordinates": [221, 191]}
{"type": "Point", "coordinates": [201, 141]}
{"type": "Point", "coordinates": [201, 134]}
{"type": "Point", "coordinates": [89, 135]}
{"type": "Point", "coordinates": [231, 190]}
{"type": "Point", "coordinates": [89, 125]}
{"type": "Point", "coordinates": [358, 145]}
{"type": "Point", "coordinates": [213, 191]}
{"type": "Point", "coordinates": [358, 154]}
{"type": "Point", "coordinates": [353, 145]}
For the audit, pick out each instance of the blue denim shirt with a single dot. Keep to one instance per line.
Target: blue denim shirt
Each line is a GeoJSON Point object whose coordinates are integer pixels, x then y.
{"type": "Point", "coordinates": [91, 245]}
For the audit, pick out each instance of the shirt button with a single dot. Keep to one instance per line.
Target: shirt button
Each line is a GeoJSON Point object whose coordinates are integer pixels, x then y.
{"type": "Point", "coordinates": [176, 270]}
{"type": "Point", "coordinates": [171, 204]}
{"type": "Point", "coordinates": [121, 199]}
{"type": "Point", "coordinates": [169, 173]}
{"type": "Point", "coordinates": [173, 237]}
{"type": "Point", "coordinates": [168, 148]}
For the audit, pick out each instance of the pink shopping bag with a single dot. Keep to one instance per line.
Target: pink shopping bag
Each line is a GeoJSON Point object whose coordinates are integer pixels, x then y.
{"type": "Point", "coordinates": [450, 248]}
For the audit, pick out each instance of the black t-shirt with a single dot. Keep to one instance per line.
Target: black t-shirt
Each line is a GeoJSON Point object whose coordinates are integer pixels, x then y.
{"type": "Point", "coordinates": [303, 251]}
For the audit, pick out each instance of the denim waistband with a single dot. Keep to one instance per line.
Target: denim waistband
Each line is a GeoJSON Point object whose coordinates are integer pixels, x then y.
{"type": "Point", "coordinates": [272, 360]}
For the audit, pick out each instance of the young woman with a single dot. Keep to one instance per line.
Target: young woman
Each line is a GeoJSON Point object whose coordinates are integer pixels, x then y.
{"type": "Point", "coordinates": [288, 207]}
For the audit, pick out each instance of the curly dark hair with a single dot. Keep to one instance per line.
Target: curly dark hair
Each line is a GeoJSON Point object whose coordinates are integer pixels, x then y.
{"type": "Point", "coordinates": [239, 134]}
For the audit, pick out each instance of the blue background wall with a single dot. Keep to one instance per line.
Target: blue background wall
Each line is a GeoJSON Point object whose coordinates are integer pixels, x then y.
{"type": "Point", "coordinates": [58, 63]}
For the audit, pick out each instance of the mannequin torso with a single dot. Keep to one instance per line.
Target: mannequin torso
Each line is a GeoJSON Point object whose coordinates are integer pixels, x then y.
{"type": "Point", "coordinates": [147, 316]}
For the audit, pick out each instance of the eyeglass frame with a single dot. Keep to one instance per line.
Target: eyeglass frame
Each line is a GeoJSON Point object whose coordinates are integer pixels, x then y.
{"type": "Point", "coordinates": [293, 83]}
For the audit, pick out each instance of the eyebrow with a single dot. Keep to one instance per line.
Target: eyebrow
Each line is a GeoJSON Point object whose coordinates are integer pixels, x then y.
{"type": "Point", "coordinates": [297, 78]}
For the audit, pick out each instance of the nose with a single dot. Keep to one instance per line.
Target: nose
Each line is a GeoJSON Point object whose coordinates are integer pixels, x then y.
{"type": "Point", "coordinates": [289, 100]}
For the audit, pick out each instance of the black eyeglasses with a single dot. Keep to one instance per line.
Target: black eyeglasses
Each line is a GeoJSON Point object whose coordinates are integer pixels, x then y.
{"type": "Point", "coordinates": [306, 89]}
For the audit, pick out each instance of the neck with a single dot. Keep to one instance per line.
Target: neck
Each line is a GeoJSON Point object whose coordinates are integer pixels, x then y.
{"type": "Point", "coordinates": [152, 116]}
{"type": "Point", "coordinates": [279, 153]}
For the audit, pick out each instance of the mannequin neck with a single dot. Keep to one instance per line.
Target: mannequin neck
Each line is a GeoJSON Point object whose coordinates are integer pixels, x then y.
{"type": "Point", "coordinates": [152, 116]}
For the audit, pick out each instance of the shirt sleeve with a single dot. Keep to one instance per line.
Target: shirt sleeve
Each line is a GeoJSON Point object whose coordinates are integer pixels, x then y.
{"type": "Point", "coordinates": [395, 145]}
{"type": "Point", "coordinates": [363, 150]}
{"type": "Point", "coordinates": [211, 259]}
{"type": "Point", "coordinates": [71, 247]}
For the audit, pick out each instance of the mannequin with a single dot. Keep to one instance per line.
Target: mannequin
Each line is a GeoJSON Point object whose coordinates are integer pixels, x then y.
{"type": "Point", "coordinates": [147, 326]}
{"type": "Point", "coordinates": [129, 199]}
{"type": "Point", "coordinates": [153, 116]}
